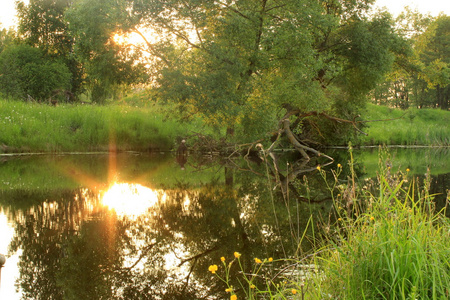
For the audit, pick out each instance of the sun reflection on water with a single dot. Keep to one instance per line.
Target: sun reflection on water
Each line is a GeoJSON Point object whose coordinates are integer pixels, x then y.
{"type": "Point", "coordinates": [129, 199]}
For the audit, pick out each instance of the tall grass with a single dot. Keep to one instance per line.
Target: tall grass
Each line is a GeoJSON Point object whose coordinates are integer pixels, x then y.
{"type": "Point", "coordinates": [384, 240]}
{"type": "Point", "coordinates": [29, 127]}
{"type": "Point", "coordinates": [406, 127]}
{"type": "Point", "coordinates": [391, 244]}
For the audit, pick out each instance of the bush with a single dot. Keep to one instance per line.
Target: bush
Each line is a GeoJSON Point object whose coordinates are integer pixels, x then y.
{"type": "Point", "coordinates": [24, 71]}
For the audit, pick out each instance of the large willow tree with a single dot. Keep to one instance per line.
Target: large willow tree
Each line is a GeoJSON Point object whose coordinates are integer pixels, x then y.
{"type": "Point", "coordinates": [245, 62]}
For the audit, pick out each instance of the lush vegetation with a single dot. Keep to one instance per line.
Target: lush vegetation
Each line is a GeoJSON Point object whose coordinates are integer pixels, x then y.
{"type": "Point", "coordinates": [385, 240]}
{"type": "Point", "coordinates": [285, 73]}
{"type": "Point", "coordinates": [422, 78]}
{"type": "Point", "coordinates": [131, 125]}
{"type": "Point", "coordinates": [304, 69]}
{"type": "Point", "coordinates": [84, 128]}
{"type": "Point", "coordinates": [389, 242]}
{"type": "Point", "coordinates": [406, 127]}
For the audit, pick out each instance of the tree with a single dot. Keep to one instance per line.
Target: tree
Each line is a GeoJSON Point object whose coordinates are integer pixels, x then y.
{"type": "Point", "coordinates": [42, 25]}
{"type": "Point", "coordinates": [421, 75]}
{"type": "Point", "coordinates": [108, 65]}
{"type": "Point", "coordinates": [7, 37]}
{"type": "Point", "coordinates": [24, 71]}
{"type": "Point", "coordinates": [434, 54]}
{"type": "Point", "coordinates": [241, 62]}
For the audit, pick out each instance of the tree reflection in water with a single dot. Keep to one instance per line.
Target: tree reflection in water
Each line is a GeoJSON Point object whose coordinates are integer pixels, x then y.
{"type": "Point", "coordinates": [76, 247]}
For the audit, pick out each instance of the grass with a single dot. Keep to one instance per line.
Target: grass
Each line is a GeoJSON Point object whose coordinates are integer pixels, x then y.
{"type": "Point", "coordinates": [135, 123]}
{"type": "Point", "coordinates": [406, 127]}
{"type": "Point", "coordinates": [384, 241]}
{"type": "Point", "coordinates": [30, 127]}
{"type": "Point", "coordinates": [388, 242]}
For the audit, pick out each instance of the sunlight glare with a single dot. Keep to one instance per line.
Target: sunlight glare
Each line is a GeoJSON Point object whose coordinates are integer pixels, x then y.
{"type": "Point", "coordinates": [128, 199]}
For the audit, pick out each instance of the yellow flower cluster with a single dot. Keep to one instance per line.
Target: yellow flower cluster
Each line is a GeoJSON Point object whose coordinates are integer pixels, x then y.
{"type": "Point", "coordinates": [213, 269]}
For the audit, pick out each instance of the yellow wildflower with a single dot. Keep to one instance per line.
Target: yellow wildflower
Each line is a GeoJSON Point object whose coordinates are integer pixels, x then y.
{"type": "Point", "coordinates": [222, 258]}
{"type": "Point", "coordinates": [237, 254]}
{"type": "Point", "coordinates": [340, 219]}
{"type": "Point", "coordinates": [339, 165]}
{"type": "Point", "coordinates": [228, 290]}
{"type": "Point", "coordinates": [270, 259]}
{"type": "Point", "coordinates": [252, 286]}
{"type": "Point", "coordinates": [213, 269]}
{"type": "Point", "coordinates": [372, 218]}
{"type": "Point", "coordinates": [407, 170]}
{"type": "Point", "coordinates": [318, 168]}
{"type": "Point", "coordinates": [257, 260]}
{"type": "Point", "coordinates": [233, 297]}
{"type": "Point", "coordinates": [294, 291]}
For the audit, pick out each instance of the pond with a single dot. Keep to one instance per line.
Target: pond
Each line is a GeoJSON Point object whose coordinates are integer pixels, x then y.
{"type": "Point", "coordinates": [141, 226]}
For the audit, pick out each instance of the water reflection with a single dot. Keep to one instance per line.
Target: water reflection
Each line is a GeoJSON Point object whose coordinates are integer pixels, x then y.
{"type": "Point", "coordinates": [129, 199]}
{"type": "Point", "coordinates": [130, 241]}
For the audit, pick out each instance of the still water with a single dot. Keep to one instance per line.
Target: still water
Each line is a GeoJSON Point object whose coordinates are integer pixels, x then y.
{"type": "Point", "coordinates": [140, 226]}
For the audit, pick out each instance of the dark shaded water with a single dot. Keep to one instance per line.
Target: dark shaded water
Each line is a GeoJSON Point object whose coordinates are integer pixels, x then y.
{"type": "Point", "coordinates": [134, 226]}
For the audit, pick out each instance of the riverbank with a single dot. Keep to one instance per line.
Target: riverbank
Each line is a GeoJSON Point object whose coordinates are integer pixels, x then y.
{"type": "Point", "coordinates": [38, 128]}
{"type": "Point", "coordinates": [411, 127]}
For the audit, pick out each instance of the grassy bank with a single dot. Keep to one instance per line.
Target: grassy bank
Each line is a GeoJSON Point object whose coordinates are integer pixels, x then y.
{"type": "Point", "coordinates": [384, 240]}
{"type": "Point", "coordinates": [134, 124]}
{"type": "Point", "coordinates": [406, 127]}
{"type": "Point", "coordinates": [391, 244]}
{"type": "Point", "coordinates": [30, 127]}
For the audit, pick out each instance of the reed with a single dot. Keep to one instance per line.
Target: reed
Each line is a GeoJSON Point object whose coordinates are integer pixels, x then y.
{"type": "Point", "coordinates": [388, 244]}
{"type": "Point", "coordinates": [384, 240]}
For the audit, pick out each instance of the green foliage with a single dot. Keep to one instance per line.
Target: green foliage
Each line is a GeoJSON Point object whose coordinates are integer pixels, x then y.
{"type": "Point", "coordinates": [370, 52]}
{"type": "Point", "coordinates": [7, 37]}
{"type": "Point", "coordinates": [420, 78]}
{"type": "Point", "coordinates": [410, 127]}
{"type": "Point", "coordinates": [108, 65]}
{"type": "Point", "coordinates": [240, 62]}
{"type": "Point", "coordinates": [26, 72]}
{"type": "Point", "coordinates": [434, 53]}
{"type": "Point", "coordinates": [387, 245]}
{"type": "Point", "coordinates": [236, 64]}
{"type": "Point", "coordinates": [42, 25]}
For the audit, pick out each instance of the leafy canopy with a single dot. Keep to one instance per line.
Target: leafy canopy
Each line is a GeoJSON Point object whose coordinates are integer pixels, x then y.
{"type": "Point", "coordinates": [26, 72]}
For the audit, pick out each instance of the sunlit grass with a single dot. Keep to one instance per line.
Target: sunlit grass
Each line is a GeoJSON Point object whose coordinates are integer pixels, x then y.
{"type": "Point", "coordinates": [406, 127]}
{"type": "Point", "coordinates": [30, 127]}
